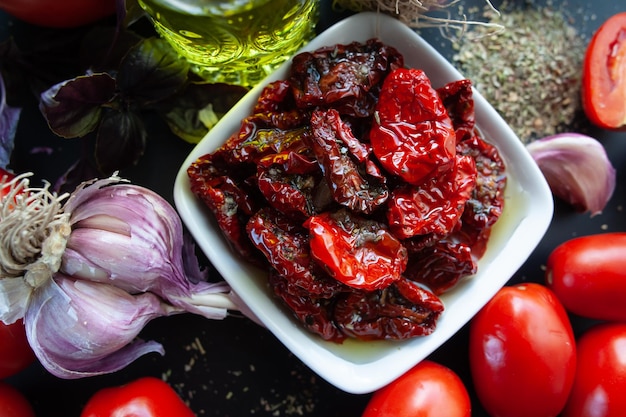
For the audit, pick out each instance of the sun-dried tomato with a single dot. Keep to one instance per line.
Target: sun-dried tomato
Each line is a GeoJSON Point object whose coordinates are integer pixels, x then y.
{"type": "Point", "coordinates": [276, 107]}
{"type": "Point", "coordinates": [399, 311]}
{"type": "Point", "coordinates": [413, 136]}
{"type": "Point", "coordinates": [286, 249]}
{"type": "Point", "coordinates": [228, 201]}
{"type": "Point", "coordinates": [363, 190]}
{"type": "Point", "coordinates": [255, 140]}
{"type": "Point", "coordinates": [288, 181]}
{"type": "Point", "coordinates": [441, 265]}
{"type": "Point", "coordinates": [436, 206]}
{"type": "Point", "coordinates": [487, 199]}
{"type": "Point", "coordinates": [457, 97]}
{"type": "Point", "coordinates": [313, 313]}
{"type": "Point", "coordinates": [359, 252]}
{"type": "Point", "coordinates": [339, 153]}
{"type": "Point", "coordinates": [343, 76]}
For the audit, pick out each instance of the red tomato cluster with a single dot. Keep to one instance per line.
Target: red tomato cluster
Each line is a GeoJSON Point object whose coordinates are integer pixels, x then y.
{"type": "Point", "coordinates": [524, 358]}
{"type": "Point", "coordinates": [588, 275]}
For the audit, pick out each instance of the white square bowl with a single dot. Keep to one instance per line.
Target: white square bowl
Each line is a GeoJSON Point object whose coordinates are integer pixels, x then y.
{"type": "Point", "coordinates": [355, 366]}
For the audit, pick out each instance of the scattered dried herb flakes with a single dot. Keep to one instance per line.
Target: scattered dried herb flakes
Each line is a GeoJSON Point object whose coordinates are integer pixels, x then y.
{"type": "Point", "coordinates": [530, 71]}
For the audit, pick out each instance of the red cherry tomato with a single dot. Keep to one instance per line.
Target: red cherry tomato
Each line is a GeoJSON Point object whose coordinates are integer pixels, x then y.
{"type": "Point", "coordinates": [600, 381]}
{"type": "Point", "coordinates": [15, 352]}
{"type": "Point", "coordinates": [588, 275]}
{"type": "Point", "coordinates": [13, 403]}
{"type": "Point", "coordinates": [426, 390]}
{"type": "Point", "coordinates": [59, 14]}
{"type": "Point", "coordinates": [522, 353]}
{"type": "Point", "coordinates": [145, 397]}
{"type": "Point", "coordinates": [604, 75]}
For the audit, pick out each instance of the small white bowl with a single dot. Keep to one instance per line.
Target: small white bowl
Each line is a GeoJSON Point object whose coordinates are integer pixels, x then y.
{"type": "Point", "coordinates": [356, 366]}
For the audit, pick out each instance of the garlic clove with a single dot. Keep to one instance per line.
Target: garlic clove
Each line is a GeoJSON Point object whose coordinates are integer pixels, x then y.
{"type": "Point", "coordinates": [130, 237]}
{"type": "Point", "coordinates": [577, 170]}
{"type": "Point", "coordinates": [125, 235]}
{"type": "Point", "coordinates": [80, 328]}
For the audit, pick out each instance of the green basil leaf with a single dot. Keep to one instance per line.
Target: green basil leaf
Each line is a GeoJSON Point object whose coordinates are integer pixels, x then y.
{"type": "Point", "coordinates": [151, 71]}
{"type": "Point", "coordinates": [73, 108]}
{"type": "Point", "coordinates": [121, 141]}
{"type": "Point", "coordinates": [191, 114]}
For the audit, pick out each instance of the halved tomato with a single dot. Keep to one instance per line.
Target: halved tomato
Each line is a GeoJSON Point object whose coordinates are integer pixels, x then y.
{"type": "Point", "coordinates": [604, 75]}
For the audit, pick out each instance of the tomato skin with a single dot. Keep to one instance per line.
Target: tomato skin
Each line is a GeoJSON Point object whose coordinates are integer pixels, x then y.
{"type": "Point", "coordinates": [600, 381]}
{"type": "Point", "coordinates": [5, 178]}
{"type": "Point", "coordinates": [522, 353]}
{"type": "Point", "coordinates": [15, 352]}
{"type": "Point", "coordinates": [13, 403]}
{"type": "Point", "coordinates": [59, 14]}
{"type": "Point", "coordinates": [588, 275]}
{"type": "Point", "coordinates": [604, 75]}
{"type": "Point", "coordinates": [146, 397]}
{"type": "Point", "coordinates": [426, 390]}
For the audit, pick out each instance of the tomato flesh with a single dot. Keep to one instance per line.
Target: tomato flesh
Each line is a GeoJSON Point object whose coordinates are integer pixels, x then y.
{"type": "Point", "coordinates": [604, 75]}
{"type": "Point", "coordinates": [522, 353]}
{"type": "Point", "coordinates": [588, 275]}
{"type": "Point", "coordinates": [426, 390]}
{"type": "Point", "coordinates": [600, 382]}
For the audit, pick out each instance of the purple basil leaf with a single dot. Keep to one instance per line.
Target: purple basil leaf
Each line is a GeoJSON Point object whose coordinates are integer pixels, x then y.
{"type": "Point", "coordinates": [121, 141]}
{"type": "Point", "coordinates": [73, 108]}
{"type": "Point", "coordinates": [151, 71]}
{"type": "Point", "coordinates": [9, 116]}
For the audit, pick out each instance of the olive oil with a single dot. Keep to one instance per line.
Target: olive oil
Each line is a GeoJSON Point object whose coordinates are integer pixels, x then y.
{"type": "Point", "coordinates": [234, 41]}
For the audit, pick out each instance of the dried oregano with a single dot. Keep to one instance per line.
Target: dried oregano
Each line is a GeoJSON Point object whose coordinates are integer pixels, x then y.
{"type": "Point", "coordinates": [530, 71]}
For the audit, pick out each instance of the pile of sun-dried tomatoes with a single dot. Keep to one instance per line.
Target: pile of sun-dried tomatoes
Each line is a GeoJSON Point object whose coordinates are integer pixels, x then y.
{"type": "Point", "coordinates": [364, 191]}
